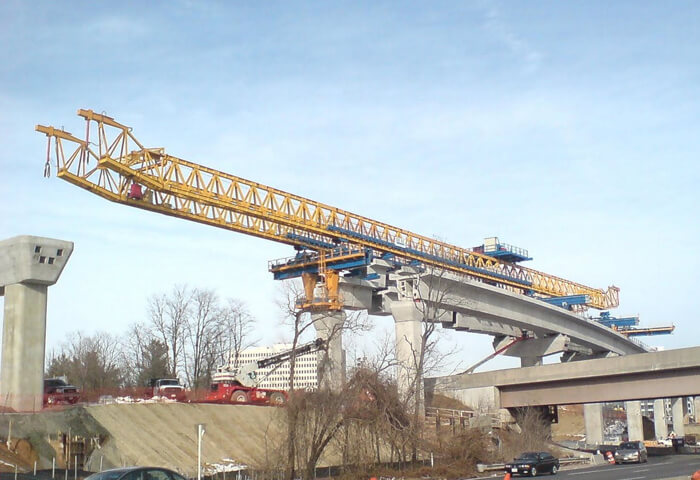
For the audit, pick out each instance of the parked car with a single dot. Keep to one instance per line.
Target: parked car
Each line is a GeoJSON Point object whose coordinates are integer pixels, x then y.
{"type": "Point", "coordinates": [533, 463]}
{"type": "Point", "coordinates": [137, 473]}
{"type": "Point", "coordinates": [57, 391]}
{"type": "Point", "coordinates": [631, 452]}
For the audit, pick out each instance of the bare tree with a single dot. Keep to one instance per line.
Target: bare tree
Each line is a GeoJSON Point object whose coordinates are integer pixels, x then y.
{"type": "Point", "coordinates": [237, 326]}
{"type": "Point", "coordinates": [202, 334]}
{"type": "Point", "coordinates": [93, 362]}
{"type": "Point", "coordinates": [135, 343]}
{"type": "Point", "coordinates": [305, 446]}
{"type": "Point", "coordinates": [169, 315]}
{"type": "Point", "coordinates": [432, 293]}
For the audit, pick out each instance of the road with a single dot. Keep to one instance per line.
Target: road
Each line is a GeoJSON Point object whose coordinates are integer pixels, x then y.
{"type": "Point", "coordinates": [656, 469]}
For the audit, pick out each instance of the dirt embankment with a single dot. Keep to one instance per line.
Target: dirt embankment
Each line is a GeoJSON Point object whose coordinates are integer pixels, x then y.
{"type": "Point", "coordinates": [143, 434]}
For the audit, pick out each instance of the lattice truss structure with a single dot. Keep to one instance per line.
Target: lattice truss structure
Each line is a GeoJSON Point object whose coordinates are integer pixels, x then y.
{"type": "Point", "coordinates": [111, 162]}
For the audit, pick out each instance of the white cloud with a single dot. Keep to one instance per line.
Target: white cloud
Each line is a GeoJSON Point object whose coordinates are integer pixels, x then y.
{"type": "Point", "coordinates": [526, 53]}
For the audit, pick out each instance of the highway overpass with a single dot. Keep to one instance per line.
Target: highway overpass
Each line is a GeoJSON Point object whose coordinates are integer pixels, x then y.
{"type": "Point", "coordinates": [671, 373]}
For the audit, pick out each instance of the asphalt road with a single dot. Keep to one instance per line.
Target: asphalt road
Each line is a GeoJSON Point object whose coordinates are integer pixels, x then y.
{"type": "Point", "coordinates": [655, 469]}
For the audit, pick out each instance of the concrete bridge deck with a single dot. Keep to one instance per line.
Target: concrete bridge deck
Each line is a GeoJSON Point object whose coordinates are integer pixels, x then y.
{"type": "Point", "coordinates": [670, 373]}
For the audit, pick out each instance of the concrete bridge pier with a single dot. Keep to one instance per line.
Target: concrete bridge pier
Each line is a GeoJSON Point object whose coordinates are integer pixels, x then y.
{"type": "Point", "coordinates": [660, 424]}
{"type": "Point", "coordinates": [28, 265]}
{"type": "Point", "coordinates": [409, 348]}
{"type": "Point", "coordinates": [635, 428]}
{"type": "Point", "coordinates": [593, 423]}
{"type": "Point", "coordinates": [677, 413]}
{"type": "Point", "coordinates": [530, 361]}
{"type": "Point", "coordinates": [331, 365]}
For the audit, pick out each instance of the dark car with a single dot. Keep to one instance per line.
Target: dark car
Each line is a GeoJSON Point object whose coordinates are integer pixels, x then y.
{"type": "Point", "coordinates": [137, 473]}
{"type": "Point", "coordinates": [631, 452]}
{"type": "Point", "coordinates": [533, 463]}
{"type": "Point", "coordinates": [57, 391]}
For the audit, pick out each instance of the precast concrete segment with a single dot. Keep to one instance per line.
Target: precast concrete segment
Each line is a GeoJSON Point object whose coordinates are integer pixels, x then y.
{"type": "Point", "coordinates": [501, 306]}
{"type": "Point", "coordinates": [331, 365]}
{"type": "Point", "coordinates": [593, 423]}
{"type": "Point", "coordinates": [635, 428]}
{"type": "Point", "coordinates": [470, 323]}
{"type": "Point", "coordinates": [28, 265]}
{"type": "Point", "coordinates": [660, 424]}
{"type": "Point", "coordinates": [409, 347]}
{"type": "Point", "coordinates": [538, 348]}
{"type": "Point", "coordinates": [629, 377]}
{"type": "Point", "coordinates": [677, 416]}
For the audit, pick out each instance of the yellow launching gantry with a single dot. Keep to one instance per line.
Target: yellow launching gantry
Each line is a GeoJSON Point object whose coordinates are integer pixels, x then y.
{"type": "Point", "coordinates": [115, 165]}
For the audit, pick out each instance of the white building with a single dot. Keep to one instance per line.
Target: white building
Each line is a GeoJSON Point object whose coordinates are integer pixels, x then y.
{"type": "Point", "coordinates": [277, 376]}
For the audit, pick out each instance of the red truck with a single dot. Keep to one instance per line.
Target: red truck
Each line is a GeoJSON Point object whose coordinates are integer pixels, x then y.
{"type": "Point", "coordinates": [240, 385]}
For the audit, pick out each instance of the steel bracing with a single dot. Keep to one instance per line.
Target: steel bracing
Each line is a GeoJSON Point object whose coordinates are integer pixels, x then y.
{"type": "Point", "coordinates": [113, 162]}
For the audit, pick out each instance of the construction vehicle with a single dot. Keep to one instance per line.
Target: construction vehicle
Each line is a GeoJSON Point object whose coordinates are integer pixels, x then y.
{"type": "Point", "coordinates": [113, 164]}
{"type": "Point", "coordinates": [168, 388]}
{"type": "Point", "coordinates": [232, 384]}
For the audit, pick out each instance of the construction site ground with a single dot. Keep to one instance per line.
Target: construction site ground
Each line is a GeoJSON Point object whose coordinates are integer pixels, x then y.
{"type": "Point", "coordinates": [141, 434]}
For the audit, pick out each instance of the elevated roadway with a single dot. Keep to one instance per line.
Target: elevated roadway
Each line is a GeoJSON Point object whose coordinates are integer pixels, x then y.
{"type": "Point", "coordinates": [413, 296]}
{"type": "Point", "coordinates": [468, 305]}
{"type": "Point", "coordinates": [671, 373]}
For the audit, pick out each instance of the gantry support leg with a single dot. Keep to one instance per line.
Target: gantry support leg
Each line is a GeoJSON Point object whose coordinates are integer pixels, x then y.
{"type": "Point", "coordinates": [660, 424]}
{"type": "Point", "coordinates": [593, 421]}
{"type": "Point", "coordinates": [331, 362]}
{"type": "Point", "coordinates": [635, 428]}
{"type": "Point", "coordinates": [409, 350]}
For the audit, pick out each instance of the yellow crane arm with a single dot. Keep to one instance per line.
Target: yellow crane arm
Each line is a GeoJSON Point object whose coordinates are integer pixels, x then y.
{"type": "Point", "coordinates": [184, 189]}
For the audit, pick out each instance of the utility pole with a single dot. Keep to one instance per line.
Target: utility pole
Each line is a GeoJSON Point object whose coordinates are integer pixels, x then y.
{"type": "Point", "coordinates": [201, 430]}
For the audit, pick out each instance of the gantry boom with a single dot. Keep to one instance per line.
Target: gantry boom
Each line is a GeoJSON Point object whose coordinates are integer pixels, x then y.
{"type": "Point", "coordinates": [187, 190]}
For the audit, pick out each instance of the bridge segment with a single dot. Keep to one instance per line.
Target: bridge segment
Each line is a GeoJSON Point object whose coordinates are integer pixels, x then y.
{"type": "Point", "coordinates": [413, 296]}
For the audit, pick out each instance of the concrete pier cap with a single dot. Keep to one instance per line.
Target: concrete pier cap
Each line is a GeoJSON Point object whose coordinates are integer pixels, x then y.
{"type": "Point", "coordinates": [28, 266]}
{"type": "Point", "coordinates": [30, 259]}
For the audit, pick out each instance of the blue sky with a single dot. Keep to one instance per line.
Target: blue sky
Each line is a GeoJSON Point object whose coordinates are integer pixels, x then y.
{"type": "Point", "coordinates": [569, 129]}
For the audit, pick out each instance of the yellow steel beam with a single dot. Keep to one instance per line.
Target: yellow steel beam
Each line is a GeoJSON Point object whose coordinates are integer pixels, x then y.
{"type": "Point", "coordinates": [206, 195]}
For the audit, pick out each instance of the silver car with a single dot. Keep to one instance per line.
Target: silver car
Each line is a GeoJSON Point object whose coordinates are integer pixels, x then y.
{"type": "Point", "coordinates": [631, 452]}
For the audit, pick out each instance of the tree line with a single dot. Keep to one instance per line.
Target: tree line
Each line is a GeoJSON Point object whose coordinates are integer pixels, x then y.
{"type": "Point", "coordinates": [187, 333]}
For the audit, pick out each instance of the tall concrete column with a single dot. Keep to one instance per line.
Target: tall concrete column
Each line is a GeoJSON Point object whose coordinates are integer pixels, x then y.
{"type": "Point", "coordinates": [696, 408]}
{"type": "Point", "coordinates": [409, 348]}
{"type": "Point", "coordinates": [28, 265]}
{"type": "Point", "coordinates": [593, 422]}
{"type": "Point", "coordinates": [331, 364]}
{"type": "Point", "coordinates": [660, 424]}
{"type": "Point", "coordinates": [635, 428]}
{"type": "Point", "coordinates": [677, 416]}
